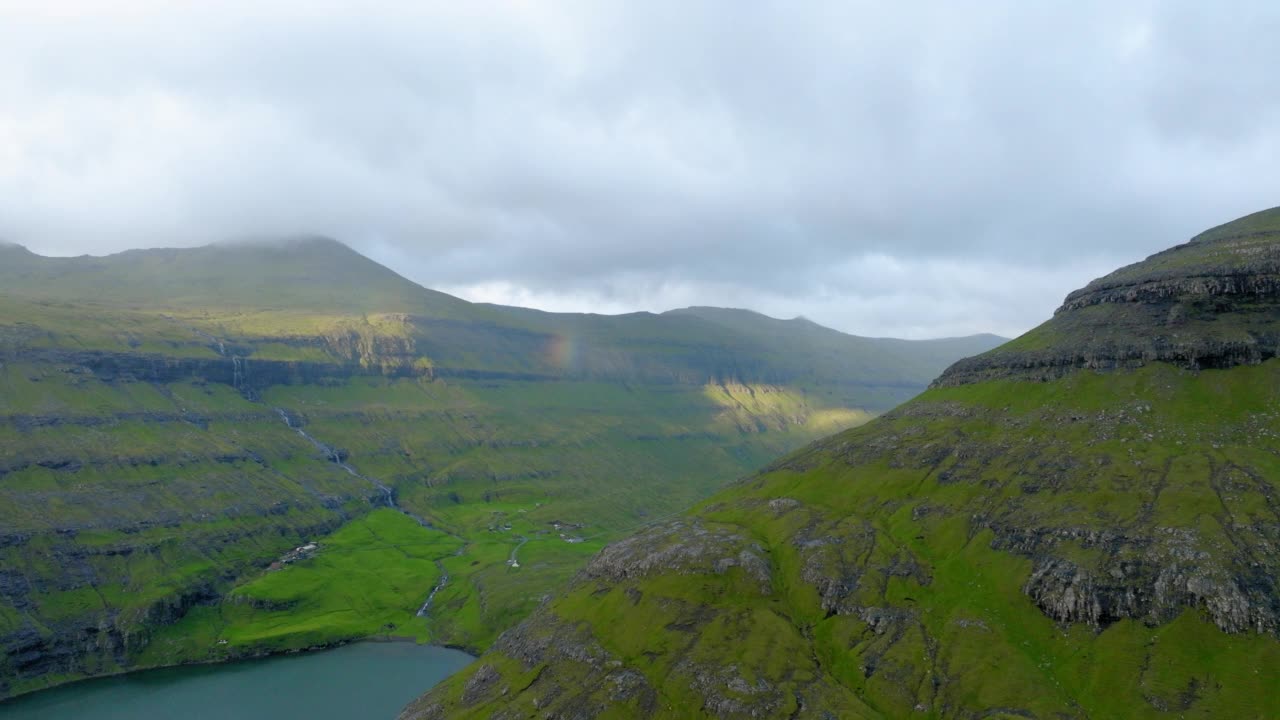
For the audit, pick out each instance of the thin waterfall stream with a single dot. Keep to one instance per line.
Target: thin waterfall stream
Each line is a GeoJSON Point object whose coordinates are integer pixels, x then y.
{"type": "Point", "coordinates": [388, 495]}
{"type": "Point", "coordinates": [239, 380]}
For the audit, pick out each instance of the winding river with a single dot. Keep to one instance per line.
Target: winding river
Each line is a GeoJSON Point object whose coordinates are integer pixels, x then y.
{"type": "Point", "coordinates": [364, 680]}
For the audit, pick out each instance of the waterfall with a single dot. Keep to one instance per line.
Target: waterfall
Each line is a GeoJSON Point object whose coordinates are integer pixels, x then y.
{"type": "Point", "coordinates": [388, 495]}
{"type": "Point", "coordinates": [240, 381]}
{"type": "Point", "coordinates": [221, 346]}
{"type": "Point", "coordinates": [444, 580]}
{"type": "Point", "coordinates": [239, 371]}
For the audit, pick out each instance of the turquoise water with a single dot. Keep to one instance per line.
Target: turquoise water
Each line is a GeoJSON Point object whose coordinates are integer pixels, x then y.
{"type": "Point", "coordinates": [364, 680]}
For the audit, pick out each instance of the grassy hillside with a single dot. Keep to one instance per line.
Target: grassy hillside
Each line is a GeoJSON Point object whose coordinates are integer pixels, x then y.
{"type": "Point", "coordinates": [174, 422]}
{"type": "Point", "coordinates": [1061, 539]}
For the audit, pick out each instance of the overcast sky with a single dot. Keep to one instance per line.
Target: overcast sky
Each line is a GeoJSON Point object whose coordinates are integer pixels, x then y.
{"type": "Point", "coordinates": [906, 169]}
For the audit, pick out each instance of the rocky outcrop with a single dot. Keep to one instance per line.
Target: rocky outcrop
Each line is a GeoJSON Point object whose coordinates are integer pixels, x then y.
{"type": "Point", "coordinates": [1151, 576]}
{"type": "Point", "coordinates": [1045, 365]}
{"type": "Point", "coordinates": [727, 694]}
{"type": "Point", "coordinates": [681, 546]}
{"type": "Point", "coordinates": [549, 641]}
{"type": "Point", "coordinates": [1231, 286]}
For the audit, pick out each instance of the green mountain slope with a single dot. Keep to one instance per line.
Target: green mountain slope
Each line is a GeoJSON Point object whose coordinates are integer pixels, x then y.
{"type": "Point", "coordinates": [1079, 524]}
{"type": "Point", "coordinates": [174, 422]}
{"type": "Point", "coordinates": [314, 299]}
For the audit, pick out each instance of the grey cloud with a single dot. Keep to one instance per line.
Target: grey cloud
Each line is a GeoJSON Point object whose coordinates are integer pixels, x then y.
{"type": "Point", "coordinates": [887, 171]}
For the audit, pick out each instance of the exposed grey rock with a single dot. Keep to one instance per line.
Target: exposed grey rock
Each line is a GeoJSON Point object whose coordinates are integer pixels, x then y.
{"type": "Point", "coordinates": [831, 565]}
{"type": "Point", "coordinates": [550, 638]}
{"type": "Point", "coordinates": [681, 546]}
{"type": "Point", "coordinates": [725, 693]}
{"type": "Point", "coordinates": [1150, 578]}
{"type": "Point", "coordinates": [783, 505]}
{"type": "Point", "coordinates": [547, 641]}
{"type": "Point", "coordinates": [482, 681]}
{"type": "Point", "coordinates": [884, 619]}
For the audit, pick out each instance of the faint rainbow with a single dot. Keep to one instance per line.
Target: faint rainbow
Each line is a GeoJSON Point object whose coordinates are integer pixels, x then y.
{"type": "Point", "coordinates": [562, 351]}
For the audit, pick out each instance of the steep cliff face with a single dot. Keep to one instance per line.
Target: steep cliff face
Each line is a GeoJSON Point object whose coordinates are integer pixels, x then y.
{"type": "Point", "coordinates": [1050, 531]}
{"type": "Point", "coordinates": [244, 373]}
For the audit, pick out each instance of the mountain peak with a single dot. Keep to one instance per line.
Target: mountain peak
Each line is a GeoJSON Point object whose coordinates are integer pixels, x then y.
{"type": "Point", "coordinates": [16, 257]}
{"type": "Point", "coordinates": [305, 272]}
{"type": "Point", "coordinates": [713, 310]}
{"type": "Point", "coordinates": [306, 243]}
{"type": "Point", "coordinates": [1262, 223]}
{"type": "Point", "coordinates": [1213, 302]}
{"type": "Point", "coordinates": [1227, 260]}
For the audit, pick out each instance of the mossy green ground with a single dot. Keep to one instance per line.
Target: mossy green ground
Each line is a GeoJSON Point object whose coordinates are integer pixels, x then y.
{"type": "Point", "coordinates": [367, 579]}
{"type": "Point", "coordinates": [934, 621]}
{"type": "Point", "coordinates": [189, 489]}
{"type": "Point", "coordinates": [147, 478]}
{"type": "Point", "coordinates": [528, 455]}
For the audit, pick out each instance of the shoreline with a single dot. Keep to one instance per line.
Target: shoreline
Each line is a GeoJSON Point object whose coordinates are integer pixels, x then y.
{"type": "Point", "coordinates": [248, 657]}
